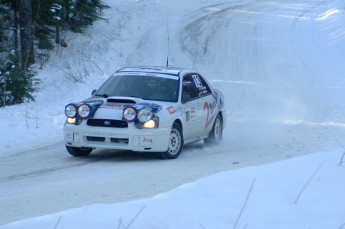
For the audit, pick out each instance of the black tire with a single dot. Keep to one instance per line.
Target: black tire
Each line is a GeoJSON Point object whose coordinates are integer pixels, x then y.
{"type": "Point", "coordinates": [175, 143]}
{"type": "Point", "coordinates": [79, 152]}
{"type": "Point", "coordinates": [216, 133]}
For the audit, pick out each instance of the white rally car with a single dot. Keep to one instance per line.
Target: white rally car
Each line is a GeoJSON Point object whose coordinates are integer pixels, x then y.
{"type": "Point", "coordinates": [154, 109]}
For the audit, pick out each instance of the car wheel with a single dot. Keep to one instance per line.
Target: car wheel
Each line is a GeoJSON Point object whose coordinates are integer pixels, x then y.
{"type": "Point", "coordinates": [175, 143]}
{"type": "Point", "coordinates": [78, 152]}
{"type": "Point", "coordinates": [216, 133]}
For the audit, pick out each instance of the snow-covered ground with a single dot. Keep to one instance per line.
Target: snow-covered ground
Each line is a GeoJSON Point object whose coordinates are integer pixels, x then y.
{"type": "Point", "coordinates": [280, 66]}
{"type": "Point", "coordinates": [306, 192]}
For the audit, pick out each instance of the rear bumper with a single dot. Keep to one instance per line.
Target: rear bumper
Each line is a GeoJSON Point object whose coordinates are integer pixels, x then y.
{"type": "Point", "coordinates": [131, 138]}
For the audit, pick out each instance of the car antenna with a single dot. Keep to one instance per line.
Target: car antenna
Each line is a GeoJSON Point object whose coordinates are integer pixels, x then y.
{"type": "Point", "coordinates": [168, 40]}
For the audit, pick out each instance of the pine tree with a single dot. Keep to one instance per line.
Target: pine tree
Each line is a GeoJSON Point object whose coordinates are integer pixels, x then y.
{"type": "Point", "coordinates": [16, 77]}
{"type": "Point", "coordinates": [43, 19]}
{"type": "Point", "coordinates": [83, 13]}
{"type": "Point", "coordinates": [54, 16]}
{"type": "Point", "coordinates": [30, 25]}
{"type": "Point", "coordinates": [16, 84]}
{"type": "Point", "coordinates": [5, 24]}
{"type": "Point", "coordinates": [26, 33]}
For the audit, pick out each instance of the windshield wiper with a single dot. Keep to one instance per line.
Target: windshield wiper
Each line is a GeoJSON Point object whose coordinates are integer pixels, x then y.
{"type": "Point", "coordinates": [104, 95]}
{"type": "Point", "coordinates": [133, 96]}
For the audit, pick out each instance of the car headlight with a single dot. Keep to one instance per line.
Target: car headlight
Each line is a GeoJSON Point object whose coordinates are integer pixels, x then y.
{"type": "Point", "coordinates": [145, 114]}
{"type": "Point", "coordinates": [151, 124]}
{"type": "Point", "coordinates": [129, 114]}
{"type": "Point", "coordinates": [71, 110]}
{"type": "Point", "coordinates": [84, 110]}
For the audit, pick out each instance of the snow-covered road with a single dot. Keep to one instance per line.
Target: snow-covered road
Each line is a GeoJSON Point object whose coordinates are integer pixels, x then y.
{"type": "Point", "coordinates": [46, 180]}
{"type": "Point", "coordinates": [277, 62]}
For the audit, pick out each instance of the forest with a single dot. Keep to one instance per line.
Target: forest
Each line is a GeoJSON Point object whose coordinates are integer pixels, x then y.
{"type": "Point", "coordinates": [29, 30]}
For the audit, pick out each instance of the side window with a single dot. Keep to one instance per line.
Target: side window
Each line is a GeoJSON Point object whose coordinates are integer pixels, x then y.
{"type": "Point", "coordinates": [194, 86]}
{"type": "Point", "coordinates": [189, 91]}
{"type": "Point", "coordinates": [201, 85]}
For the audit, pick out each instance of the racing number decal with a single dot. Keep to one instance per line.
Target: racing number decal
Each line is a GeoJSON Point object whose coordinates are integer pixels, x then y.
{"type": "Point", "coordinates": [199, 84]}
{"type": "Point", "coordinates": [197, 81]}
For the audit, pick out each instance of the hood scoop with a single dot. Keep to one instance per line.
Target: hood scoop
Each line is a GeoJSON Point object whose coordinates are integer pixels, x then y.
{"type": "Point", "coordinates": [125, 101]}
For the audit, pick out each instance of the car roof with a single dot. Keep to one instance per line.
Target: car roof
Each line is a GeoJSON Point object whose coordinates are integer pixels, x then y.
{"type": "Point", "coordinates": [175, 71]}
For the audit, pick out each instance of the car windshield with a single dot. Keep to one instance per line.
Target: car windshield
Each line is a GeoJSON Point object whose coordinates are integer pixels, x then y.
{"type": "Point", "coordinates": [141, 86]}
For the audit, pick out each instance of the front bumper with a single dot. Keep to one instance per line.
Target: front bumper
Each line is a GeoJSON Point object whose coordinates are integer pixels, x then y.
{"type": "Point", "coordinates": [131, 138]}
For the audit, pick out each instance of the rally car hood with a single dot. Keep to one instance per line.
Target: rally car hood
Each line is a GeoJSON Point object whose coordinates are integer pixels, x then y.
{"type": "Point", "coordinates": [112, 107]}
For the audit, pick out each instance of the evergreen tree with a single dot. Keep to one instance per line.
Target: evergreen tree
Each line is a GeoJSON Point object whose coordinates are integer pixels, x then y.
{"type": "Point", "coordinates": [54, 16]}
{"type": "Point", "coordinates": [5, 25]}
{"type": "Point", "coordinates": [38, 24]}
{"type": "Point", "coordinates": [26, 33]}
{"type": "Point", "coordinates": [16, 84]}
{"type": "Point", "coordinates": [83, 13]}
{"type": "Point", "coordinates": [44, 23]}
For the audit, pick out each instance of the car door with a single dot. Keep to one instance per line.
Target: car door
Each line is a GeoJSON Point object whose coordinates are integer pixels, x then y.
{"type": "Point", "coordinates": [192, 107]}
{"type": "Point", "coordinates": [209, 103]}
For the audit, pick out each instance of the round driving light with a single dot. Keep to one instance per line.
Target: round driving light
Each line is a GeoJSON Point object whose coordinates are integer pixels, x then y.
{"type": "Point", "coordinates": [129, 113]}
{"type": "Point", "coordinates": [145, 115]}
{"type": "Point", "coordinates": [70, 110]}
{"type": "Point", "coordinates": [84, 110]}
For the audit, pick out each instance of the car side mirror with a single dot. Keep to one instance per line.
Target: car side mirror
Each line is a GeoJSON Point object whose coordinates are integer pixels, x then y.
{"type": "Point", "coordinates": [93, 92]}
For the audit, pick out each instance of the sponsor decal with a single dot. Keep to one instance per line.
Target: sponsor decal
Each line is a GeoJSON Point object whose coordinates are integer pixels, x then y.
{"type": "Point", "coordinates": [113, 106]}
{"type": "Point", "coordinates": [187, 116]}
{"type": "Point", "coordinates": [171, 110]}
{"type": "Point", "coordinates": [202, 92]}
{"type": "Point", "coordinates": [155, 108]}
{"type": "Point", "coordinates": [211, 107]}
{"type": "Point", "coordinates": [179, 108]}
{"type": "Point", "coordinates": [69, 136]}
{"type": "Point", "coordinates": [209, 116]}
{"type": "Point", "coordinates": [72, 136]}
{"type": "Point", "coordinates": [192, 113]}
{"type": "Point", "coordinates": [146, 140]}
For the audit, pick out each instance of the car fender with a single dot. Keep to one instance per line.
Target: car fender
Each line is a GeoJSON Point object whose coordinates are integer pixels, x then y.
{"type": "Point", "coordinates": [169, 114]}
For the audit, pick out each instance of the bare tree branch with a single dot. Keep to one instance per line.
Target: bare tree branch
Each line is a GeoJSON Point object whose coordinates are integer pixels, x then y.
{"type": "Point", "coordinates": [306, 185]}
{"type": "Point", "coordinates": [342, 158]}
{"type": "Point", "coordinates": [58, 222]}
{"type": "Point", "coordinates": [244, 204]}
{"type": "Point", "coordinates": [135, 217]}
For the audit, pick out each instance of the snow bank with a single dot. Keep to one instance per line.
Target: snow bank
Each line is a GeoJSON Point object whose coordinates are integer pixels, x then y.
{"type": "Point", "coordinates": [303, 192]}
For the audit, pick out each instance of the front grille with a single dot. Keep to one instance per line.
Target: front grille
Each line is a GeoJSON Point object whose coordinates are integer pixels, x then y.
{"type": "Point", "coordinates": [107, 123]}
{"type": "Point", "coordinates": [95, 139]}
{"type": "Point", "coordinates": [119, 140]}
